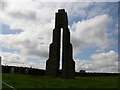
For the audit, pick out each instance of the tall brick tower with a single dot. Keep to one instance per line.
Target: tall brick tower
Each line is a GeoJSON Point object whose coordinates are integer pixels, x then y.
{"type": "Point", "coordinates": [53, 63]}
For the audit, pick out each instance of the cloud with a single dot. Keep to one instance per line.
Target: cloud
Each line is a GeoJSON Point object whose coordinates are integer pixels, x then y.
{"type": "Point", "coordinates": [14, 59]}
{"type": "Point", "coordinates": [40, 65]}
{"type": "Point", "coordinates": [36, 20]}
{"type": "Point", "coordinates": [91, 32]}
{"type": "Point", "coordinates": [101, 62]}
{"type": "Point", "coordinates": [18, 1]}
{"type": "Point", "coordinates": [97, 9]}
{"type": "Point", "coordinates": [29, 42]}
{"type": "Point", "coordinates": [29, 46]}
{"type": "Point", "coordinates": [109, 55]}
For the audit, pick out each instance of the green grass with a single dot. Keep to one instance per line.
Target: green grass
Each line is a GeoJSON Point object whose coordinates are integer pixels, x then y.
{"type": "Point", "coordinates": [29, 81]}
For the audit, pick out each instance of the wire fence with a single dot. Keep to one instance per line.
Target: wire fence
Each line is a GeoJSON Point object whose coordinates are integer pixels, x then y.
{"type": "Point", "coordinates": [8, 85]}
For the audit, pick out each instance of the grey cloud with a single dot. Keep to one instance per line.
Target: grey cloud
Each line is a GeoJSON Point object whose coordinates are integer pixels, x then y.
{"type": "Point", "coordinates": [101, 62]}
{"type": "Point", "coordinates": [38, 52]}
{"type": "Point", "coordinates": [91, 32]}
{"type": "Point", "coordinates": [3, 5]}
{"type": "Point", "coordinates": [24, 16]}
{"type": "Point", "coordinates": [29, 19]}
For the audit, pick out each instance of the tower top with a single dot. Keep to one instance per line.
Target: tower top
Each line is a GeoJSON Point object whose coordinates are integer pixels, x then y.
{"type": "Point", "coordinates": [61, 19]}
{"type": "Point", "coordinates": [61, 10]}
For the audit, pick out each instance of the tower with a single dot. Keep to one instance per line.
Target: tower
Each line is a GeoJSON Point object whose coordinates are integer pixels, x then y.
{"type": "Point", "coordinates": [53, 63]}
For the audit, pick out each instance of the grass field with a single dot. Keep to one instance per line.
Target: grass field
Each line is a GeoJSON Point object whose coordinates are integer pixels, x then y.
{"type": "Point", "coordinates": [29, 81]}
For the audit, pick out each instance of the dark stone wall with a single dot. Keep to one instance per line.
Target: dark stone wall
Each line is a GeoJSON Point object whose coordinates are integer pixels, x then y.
{"type": "Point", "coordinates": [6, 69]}
{"type": "Point", "coordinates": [32, 71]}
{"type": "Point", "coordinates": [0, 66]}
{"type": "Point", "coordinates": [22, 70]}
{"type": "Point", "coordinates": [36, 72]}
{"type": "Point", "coordinates": [96, 74]}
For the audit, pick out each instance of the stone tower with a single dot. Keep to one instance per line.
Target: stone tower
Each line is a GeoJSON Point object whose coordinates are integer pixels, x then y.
{"type": "Point", "coordinates": [53, 63]}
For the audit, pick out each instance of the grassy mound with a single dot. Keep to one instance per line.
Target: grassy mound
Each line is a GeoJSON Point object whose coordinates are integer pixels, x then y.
{"type": "Point", "coordinates": [29, 81]}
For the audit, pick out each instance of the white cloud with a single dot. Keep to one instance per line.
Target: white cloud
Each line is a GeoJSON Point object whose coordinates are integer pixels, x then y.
{"type": "Point", "coordinates": [91, 32]}
{"type": "Point", "coordinates": [101, 62]}
{"type": "Point", "coordinates": [36, 20]}
{"type": "Point", "coordinates": [109, 55]}
{"type": "Point", "coordinates": [100, 50]}
{"type": "Point", "coordinates": [29, 46]}
{"type": "Point", "coordinates": [14, 59]}
{"type": "Point", "coordinates": [18, 1]}
{"type": "Point", "coordinates": [40, 65]}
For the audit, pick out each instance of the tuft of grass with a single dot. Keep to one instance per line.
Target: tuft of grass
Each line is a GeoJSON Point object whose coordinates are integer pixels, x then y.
{"type": "Point", "coordinates": [30, 81]}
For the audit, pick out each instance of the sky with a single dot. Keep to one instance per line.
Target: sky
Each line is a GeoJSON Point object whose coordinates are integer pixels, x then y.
{"type": "Point", "coordinates": [27, 28]}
